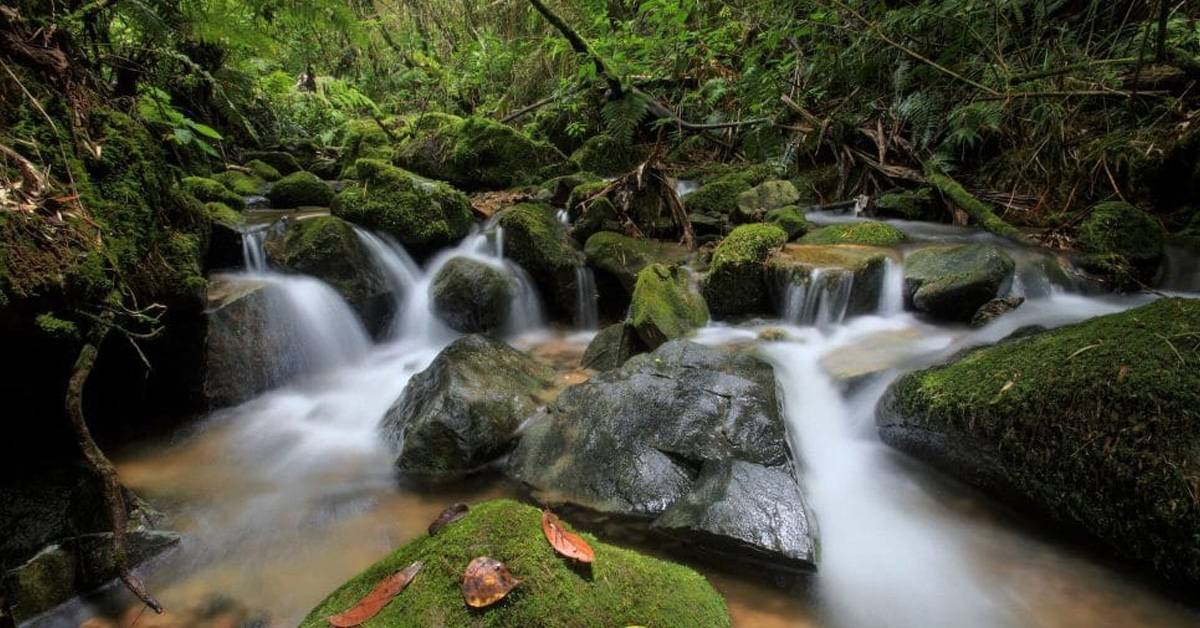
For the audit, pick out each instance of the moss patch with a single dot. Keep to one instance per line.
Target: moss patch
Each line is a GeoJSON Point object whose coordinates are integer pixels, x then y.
{"type": "Point", "coordinates": [622, 588]}
{"type": "Point", "coordinates": [790, 219]}
{"type": "Point", "coordinates": [1124, 244]}
{"type": "Point", "coordinates": [607, 156]}
{"type": "Point", "coordinates": [283, 163]}
{"type": "Point", "coordinates": [918, 204]}
{"type": "Point", "coordinates": [300, 189]}
{"type": "Point", "coordinates": [735, 282]}
{"type": "Point", "coordinates": [477, 153]}
{"type": "Point", "coordinates": [869, 233]}
{"type": "Point", "coordinates": [263, 170]}
{"type": "Point", "coordinates": [1097, 423]}
{"type": "Point", "coordinates": [664, 306]}
{"type": "Point", "coordinates": [537, 241]}
{"type": "Point", "coordinates": [210, 191]}
{"type": "Point", "coordinates": [240, 183]}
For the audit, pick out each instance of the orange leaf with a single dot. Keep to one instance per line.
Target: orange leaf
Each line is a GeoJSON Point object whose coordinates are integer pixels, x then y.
{"type": "Point", "coordinates": [486, 582]}
{"type": "Point", "coordinates": [564, 542]}
{"type": "Point", "coordinates": [452, 513]}
{"type": "Point", "coordinates": [379, 597]}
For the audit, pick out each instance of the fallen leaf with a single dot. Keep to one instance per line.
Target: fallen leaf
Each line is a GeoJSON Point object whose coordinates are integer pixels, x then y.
{"type": "Point", "coordinates": [1122, 373]}
{"type": "Point", "coordinates": [379, 597]}
{"type": "Point", "coordinates": [564, 542]}
{"type": "Point", "coordinates": [486, 581]}
{"type": "Point", "coordinates": [452, 513]}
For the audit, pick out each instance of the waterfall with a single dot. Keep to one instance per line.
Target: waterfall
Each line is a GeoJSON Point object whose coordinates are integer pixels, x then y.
{"type": "Point", "coordinates": [820, 299]}
{"type": "Point", "coordinates": [563, 217]}
{"type": "Point", "coordinates": [401, 273]}
{"type": "Point", "coordinates": [891, 293]}
{"type": "Point", "coordinates": [587, 317]}
{"type": "Point", "coordinates": [253, 256]}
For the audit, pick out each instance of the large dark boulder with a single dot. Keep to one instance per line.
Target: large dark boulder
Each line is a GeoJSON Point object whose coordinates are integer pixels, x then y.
{"type": "Point", "coordinates": [1096, 425]}
{"type": "Point", "coordinates": [471, 296]}
{"type": "Point", "coordinates": [634, 441]}
{"type": "Point", "coordinates": [537, 241]}
{"type": "Point", "coordinates": [1122, 244]}
{"type": "Point", "coordinates": [242, 343]}
{"type": "Point", "coordinates": [464, 410]}
{"type": "Point", "coordinates": [612, 347]}
{"type": "Point", "coordinates": [736, 282]}
{"type": "Point", "coordinates": [665, 306]}
{"type": "Point", "coordinates": [952, 282]}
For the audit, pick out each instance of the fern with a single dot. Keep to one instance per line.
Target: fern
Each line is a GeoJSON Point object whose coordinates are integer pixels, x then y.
{"type": "Point", "coordinates": [622, 117]}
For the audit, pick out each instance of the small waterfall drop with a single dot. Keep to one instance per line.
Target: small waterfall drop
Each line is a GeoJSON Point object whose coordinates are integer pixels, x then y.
{"type": "Point", "coordinates": [820, 299]}
{"type": "Point", "coordinates": [891, 293]}
{"type": "Point", "coordinates": [587, 315]}
{"type": "Point", "coordinates": [253, 256]}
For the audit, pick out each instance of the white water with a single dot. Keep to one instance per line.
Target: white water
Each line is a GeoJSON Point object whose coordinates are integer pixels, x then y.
{"type": "Point", "coordinates": [587, 316]}
{"type": "Point", "coordinates": [821, 299]}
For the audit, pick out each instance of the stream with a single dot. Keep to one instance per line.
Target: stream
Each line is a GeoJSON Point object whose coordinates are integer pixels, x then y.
{"type": "Point", "coordinates": [284, 497]}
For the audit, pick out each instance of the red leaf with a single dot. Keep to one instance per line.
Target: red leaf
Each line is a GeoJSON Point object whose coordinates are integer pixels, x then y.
{"type": "Point", "coordinates": [486, 581]}
{"type": "Point", "coordinates": [379, 597]}
{"type": "Point", "coordinates": [452, 513]}
{"type": "Point", "coordinates": [564, 542]}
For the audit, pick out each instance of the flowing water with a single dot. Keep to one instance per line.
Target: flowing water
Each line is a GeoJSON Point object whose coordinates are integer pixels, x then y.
{"type": "Point", "coordinates": [286, 496]}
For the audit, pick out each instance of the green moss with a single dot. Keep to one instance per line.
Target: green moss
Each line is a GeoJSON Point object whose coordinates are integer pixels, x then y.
{"type": "Point", "coordinates": [1097, 423]}
{"type": "Point", "coordinates": [222, 214]}
{"type": "Point", "coordinates": [869, 233]}
{"type": "Point", "coordinates": [325, 247]}
{"type": "Point", "coordinates": [363, 139]}
{"type": "Point", "coordinates": [240, 183]}
{"type": "Point", "coordinates": [735, 282]}
{"type": "Point", "coordinates": [424, 216]}
{"type": "Point", "coordinates": [300, 189]}
{"type": "Point", "coordinates": [477, 153]}
{"type": "Point", "coordinates": [918, 204]}
{"type": "Point", "coordinates": [664, 306]}
{"type": "Point", "coordinates": [283, 163]}
{"type": "Point", "coordinates": [55, 327]}
{"type": "Point", "coordinates": [624, 257]}
{"type": "Point", "coordinates": [979, 211]}
{"type": "Point", "coordinates": [790, 219]}
{"type": "Point", "coordinates": [537, 241]}
{"type": "Point", "coordinates": [263, 170]}
{"type": "Point", "coordinates": [209, 191]}
{"type": "Point", "coordinates": [621, 588]}
{"type": "Point", "coordinates": [1124, 244]}
{"type": "Point", "coordinates": [607, 156]}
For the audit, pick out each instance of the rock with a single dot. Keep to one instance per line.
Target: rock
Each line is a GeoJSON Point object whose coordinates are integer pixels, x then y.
{"type": "Point", "coordinates": [283, 163]}
{"type": "Point", "coordinates": [873, 354]}
{"type": "Point", "coordinates": [538, 242]}
{"type": "Point", "coordinates": [612, 347]}
{"type": "Point", "coordinates": [665, 306]}
{"type": "Point", "coordinates": [557, 191]}
{"type": "Point", "coordinates": [464, 410]}
{"type": "Point", "coordinates": [1094, 425]}
{"type": "Point", "coordinates": [225, 243]}
{"type": "Point", "coordinates": [917, 204]}
{"type": "Point", "coordinates": [1123, 244]}
{"type": "Point", "coordinates": [242, 342]}
{"type": "Point", "coordinates": [790, 219]}
{"type": "Point", "coordinates": [621, 588]}
{"type": "Point", "coordinates": [797, 264]}
{"type": "Point", "coordinates": [325, 168]}
{"type": "Point", "coordinates": [747, 510]}
{"type": "Point", "coordinates": [753, 204]}
{"type": "Point", "coordinates": [210, 191]}
{"type": "Point", "coordinates": [365, 139]}
{"type": "Point", "coordinates": [424, 216]}
{"type": "Point", "coordinates": [617, 259]}
{"type": "Point", "coordinates": [735, 283]}
{"type": "Point", "coordinates": [240, 183]}
{"type": "Point", "coordinates": [868, 233]}
{"type": "Point", "coordinates": [263, 170]}
{"type": "Point", "coordinates": [590, 214]}
{"type": "Point", "coordinates": [952, 282]}
{"type": "Point", "coordinates": [300, 189]}
{"type": "Point", "coordinates": [477, 153]}
{"type": "Point", "coordinates": [718, 196]}
{"type": "Point", "coordinates": [471, 296]}
{"type": "Point", "coordinates": [994, 309]}
{"type": "Point", "coordinates": [607, 156]}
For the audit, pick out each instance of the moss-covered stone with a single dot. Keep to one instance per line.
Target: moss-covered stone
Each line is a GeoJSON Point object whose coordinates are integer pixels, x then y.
{"type": "Point", "coordinates": [952, 282]}
{"type": "Point", "coordinates": [557, 190]}
{"type": "Point", "coordinates": [222, 214]}
{"type": "Point", "coordinates": [1124, 244]}
{"type": "Point", "coordinates": [55, 327]}
{"type": "Point", "coordinates": [240, 183]}
{"type": "Point", "coordinates": [735, 283]}
{"type": "Point", "coordinates": [477, 153]}
{"type": "Point", "coordinates": [622, 587]}
{"type": "Point", "coordinates": [364, 139]}
{"type": "Point", "coordinates": [753, 204]}
{"type": "Point", "coordinates": [916, 204]}
{"type": "Point", "coordinates": [664, 305]}
{"type": "Point", "coordinates": [869, 233]}
{"type": "Point", "coordinates": [422, 215]}
{"type": "Point", "coordinates": [263, 170]}
{"type": "Point", "coordinates": [790, 219]}
{"type": "Point", "coordinates": [537, 241]}
{"type": "Point", "coordinates": [207, 190]}
{"type": "Point", "coordinates": [283, 163]}
{"type": "Point", "coordinates": [607, 156]}
{"type": "Point", "coordinates": [623, 257]}
{"type": "Point", "coordinates": [300, 189]}
{"type": "Point", "coordinates": [471, 296]}
{"type": "Point", "coordinates": [1094, 424]}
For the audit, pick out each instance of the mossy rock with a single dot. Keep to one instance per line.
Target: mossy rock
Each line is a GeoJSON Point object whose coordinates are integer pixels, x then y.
{"type": "Point", "coordinates": [364, 139]}
{"type": "Point", "coordinates": [735, 283]}
{"type": "Point", "coordinates": [424, 216]}
{"type": "Point", "coordinates": [471, 296]}
{"type": "Point", "coordinates": [621, 588]}
{"type": "Point", "coordinates": [612, 347]}
{"type": "Point", "coordinates": [240, 183]}
{"type": "Point", "coordinates": [300, 189]}
{"type": "Point", "coordinates": [790, 219]}
{"type": "Point", "coordinates": [476, 153]}
{"type": "Point", "coordinates": [952, 282]}
{"type": "Point", "coordinates": [869, 233]}
{"type": "Point", "coordinates": [619, 258]}
{"type": "Point", "coordinates": [1124, 244]}
{"type": "Point", "coordinates": [753, 204]}
{"type": "Point", "coordinates": [207, 190]}
{"type": "Point", "coordinates": [664, 305]}
{"type": "Point", "coordinates": [537, 241]}
{"type": "Point", "coordinates": [283, 163]}
{"type": "Point", "coordinates": [557, 190]}
{"type": "Point", "coordinates": [224, 215]}
{"type": "Point", "coordinates": [1096, 425]}
{"type": "Point", "coordinates": [718, 197]}
{"type": "Point", "coordinates": [607, 156]}
{"type": "Point", "coordinates": [800, 264]}
{"type": "Point", "coordinates": [917, 204]}
{"type": "Point", "coordinates": [263, 170]}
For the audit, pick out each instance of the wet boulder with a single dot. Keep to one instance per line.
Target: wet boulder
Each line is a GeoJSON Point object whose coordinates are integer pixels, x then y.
{"type": "Point", "coordinates": [424, 216]}
{"type": "Point", "coordinates": [621, 588]}
{"type": "Point", "coordinates": [477, 153]}
{"type": "Point", "coordinates": [207, 190]}
{"type": "Point", "coordinates": [612, 347]}
{"type": "Point", "coordinates": [472, 296]}
{"type": "Point", "coordinates": [736, 284]}
{"type": "Point", "coordinates": [790, 219]}
{"type": "Point", "coordinates": [952, 282]}
{"type": "Point", "coordinates": [537, 241]}
{"type": "Point", "coordinates": [617, 259]}
{"type": "Point", "coordinates": [241, 342]}
{"type": "Point", "coordinates": [994, 309]}
{"type": "Point", "coordinates": [868, 233]}
{"type": "Point", "coordinates": [464, 410]}
{"type": "Point", "coordinates": [665, 306]}
{"type": "Point", "coordinates": [1122, 244]}
{"type": "Point", "coordinates": [1095, 425]}
{"type": "Point", "coordinates": [753, 204]}
{"type": "Point", "coordinates": [855, 271]}
{"type": "Point", "coordinates": [634, 440]}
{"type": "Point", "coordinates": [300, 189]}
{"type": "Point", "coordinates": [263, 170]}
{"type": "Point", "coordinates": [240, 183]}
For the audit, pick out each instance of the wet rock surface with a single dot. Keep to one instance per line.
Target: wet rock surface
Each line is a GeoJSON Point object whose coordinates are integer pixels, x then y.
{"type": "Point", "coordinates": [612, 347]}
{"type": "Point", "coordinates": [471, 296]}
{"type": "Point", "coordinates": [952, 282]}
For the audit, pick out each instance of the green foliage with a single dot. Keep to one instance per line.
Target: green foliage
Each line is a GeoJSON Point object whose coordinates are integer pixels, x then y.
{"type": "Point", "coordinates": [155, 106]}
